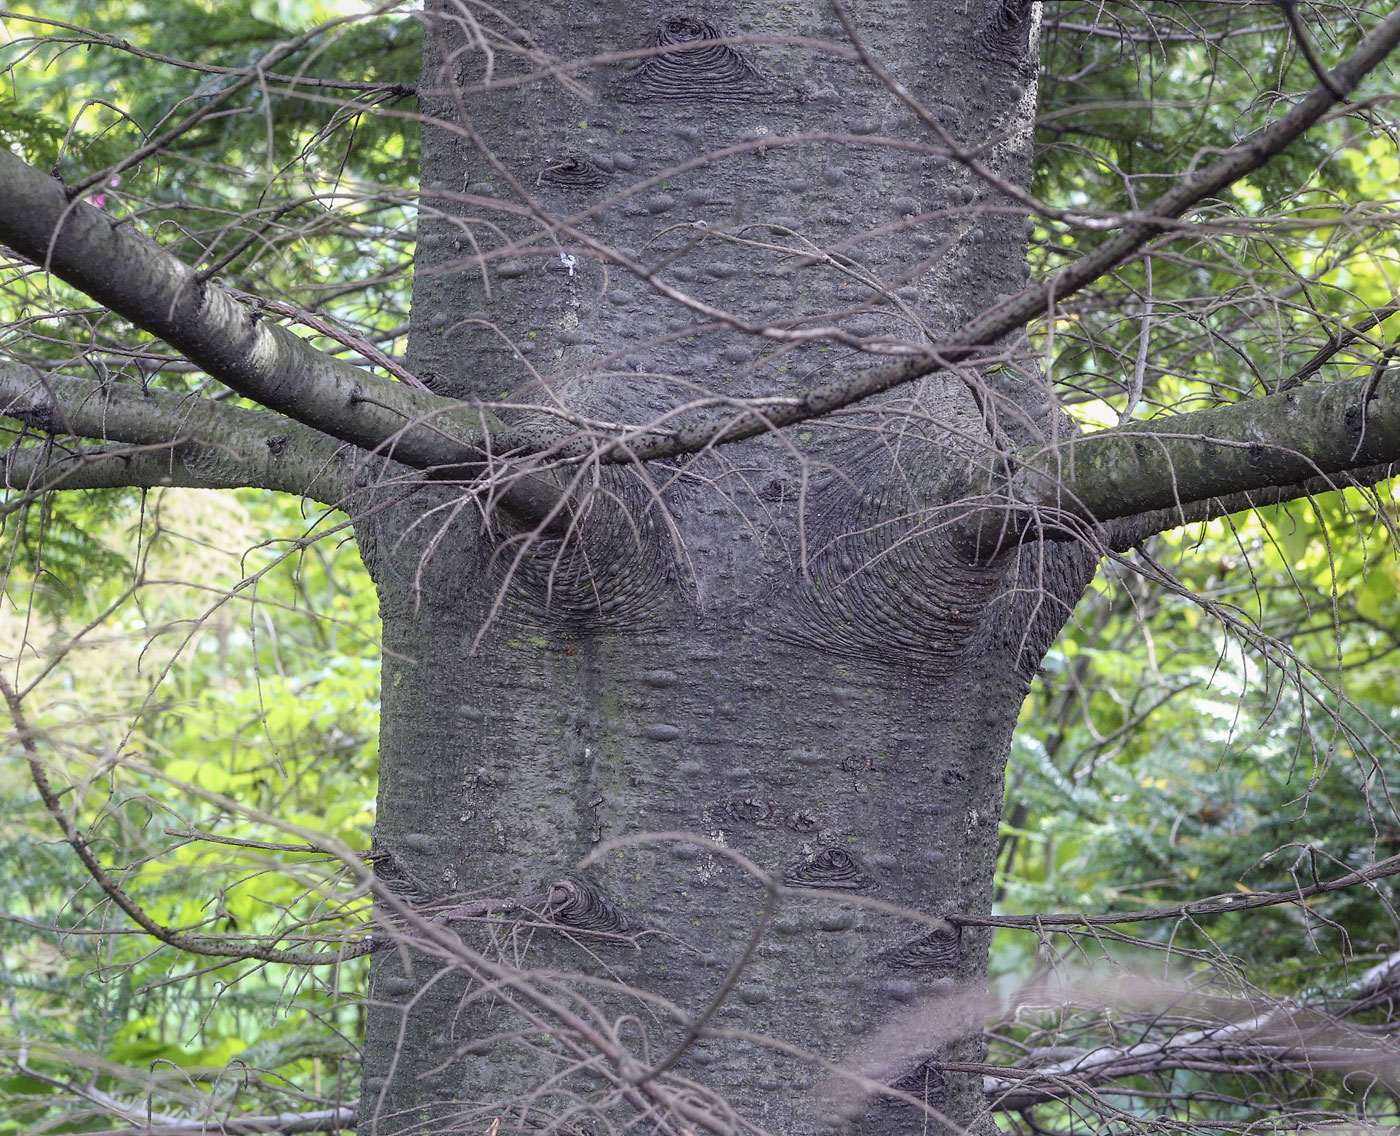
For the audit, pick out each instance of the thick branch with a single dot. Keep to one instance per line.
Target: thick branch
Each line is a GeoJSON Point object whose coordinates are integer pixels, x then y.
{"type": "Point", "coordinates": [184, 440]}
{"type": "Point", "coordinates": [1127, 532]}
{"type": "Point", "coordinates": [41, 469]}
{"type": "Point", "coordinates": [1272, 1041]}
{"type": "Point", "coordinates": [323, 1120]}
{"type": "Point", "coordinates": [1170, 471]}
{"type": "Point", "coordinates": [117, 266]}
{"type": "Point", "coordinates": [137, 279]}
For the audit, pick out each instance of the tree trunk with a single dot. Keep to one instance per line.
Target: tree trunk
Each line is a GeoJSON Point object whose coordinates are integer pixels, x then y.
{"type": "Point", "coordinates": [772, 647]}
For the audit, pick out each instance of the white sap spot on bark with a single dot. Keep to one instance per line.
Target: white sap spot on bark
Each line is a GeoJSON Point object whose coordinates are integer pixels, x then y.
{"type": "Point", "coordinates": [568, 319]}
{"type": "Point", "coordinates": [711, 866]}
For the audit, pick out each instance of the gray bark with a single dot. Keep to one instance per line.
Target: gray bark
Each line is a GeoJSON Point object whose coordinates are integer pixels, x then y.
{"type": "Point", "coordinates": [778, 651]}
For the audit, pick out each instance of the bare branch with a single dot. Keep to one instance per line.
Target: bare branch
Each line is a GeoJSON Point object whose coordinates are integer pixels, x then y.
{"type": "Point", "coordinates": [1338, 341]}
{"type": "Point", "coordinates": [1305, 1037]}
{"type": "Point", "coordinates": [322, 1120]}
{"type": "Point", "coordinates": [1269, 1039]}
{"type": "Point", "coordinates": [185, 441]}
{"type": "Point", "coordinates": [34, 470]}
{"type": "Point", "coordinates": [266, 363]}
{"type": "Point", "coordinates": [1126, 532]}
{"type": "Point", "coordinates": [181, 940]}
{"type": "Point", "coordinates": [93, 38]}
{"type": "Point", "coordinates": [1214, 905]}
{"type": "Point", "coordinates": [247, 76]}
{"type": "Point", "coordinates": [1304, 41]}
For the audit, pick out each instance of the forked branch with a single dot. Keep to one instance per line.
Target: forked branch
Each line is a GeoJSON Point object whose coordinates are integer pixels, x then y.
{"type": "Point", "coordinates": [136, 278]}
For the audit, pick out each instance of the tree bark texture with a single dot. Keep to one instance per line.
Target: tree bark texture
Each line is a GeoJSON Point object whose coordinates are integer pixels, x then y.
{"type": "Point", "coordinates": [772, 647]}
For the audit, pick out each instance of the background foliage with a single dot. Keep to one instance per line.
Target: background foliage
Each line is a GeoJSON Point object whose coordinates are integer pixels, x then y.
{"type": "Point", "coordinates": [1220, 716]}
{"type": "Point", "coordinates": [241, 628]}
